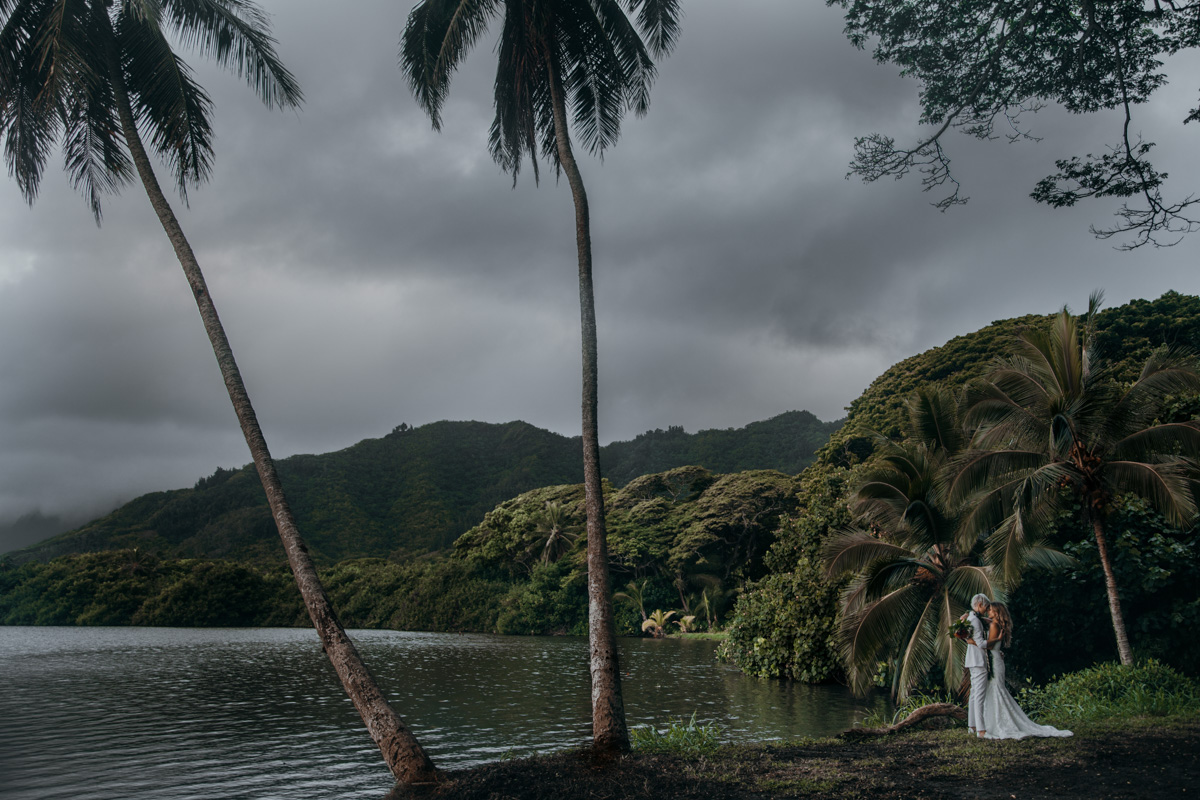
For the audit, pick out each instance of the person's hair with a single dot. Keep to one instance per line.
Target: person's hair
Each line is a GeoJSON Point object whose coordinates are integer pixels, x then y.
{"type": "Point", "coordinates": [980, 598]}
{"type": "Point", "coordinates": [1002, 618]}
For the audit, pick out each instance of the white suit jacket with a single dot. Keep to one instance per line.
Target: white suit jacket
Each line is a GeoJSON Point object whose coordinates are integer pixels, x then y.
{"type": "Point", "coordinates": [976, 657]}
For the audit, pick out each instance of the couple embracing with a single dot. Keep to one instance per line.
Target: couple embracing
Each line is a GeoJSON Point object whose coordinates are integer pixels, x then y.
{"type": "Point", "coordinates": [991, 711]}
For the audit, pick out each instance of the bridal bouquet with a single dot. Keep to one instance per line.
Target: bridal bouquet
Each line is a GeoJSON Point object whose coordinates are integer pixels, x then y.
{"type": "Point", "coordinates": [961, 629]}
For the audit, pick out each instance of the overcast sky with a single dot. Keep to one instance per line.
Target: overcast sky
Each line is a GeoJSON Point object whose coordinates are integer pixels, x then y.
{"type": "Point", "coordinates": [371, 271]}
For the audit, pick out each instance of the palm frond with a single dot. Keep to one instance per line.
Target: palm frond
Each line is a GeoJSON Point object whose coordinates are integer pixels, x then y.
{"type": "Point", "coordinates": [920, 650]}
{"type": "Point", "coordinates": [660, 20]}
{"type": "Point", "coordinates": [436, 39]}
{"type": "Point", "coordinates": [1181, 438]}
{"type": "Point", "coordinates": [865, 634]}
{"type": "Point", "coordinates": [968, 580]}
{"type": "Point", "coordinates": [854, 551]}
{"type": "Point", "coordinates": [1009, 546]}
{"type": "Point", "coordinates": [236, 35]}
{"type": "Point", "coordinates": [1166, 486]}
{"type": "Point", "coordinates": [167, 100]}
{"type": "Point", "coordinates": [933, 418]}
{"type": "Point", "coordinates": [94, 156]}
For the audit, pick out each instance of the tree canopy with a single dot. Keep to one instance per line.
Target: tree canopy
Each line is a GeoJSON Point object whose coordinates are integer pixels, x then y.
{"type": "Point", "coordinates": [985, 65]}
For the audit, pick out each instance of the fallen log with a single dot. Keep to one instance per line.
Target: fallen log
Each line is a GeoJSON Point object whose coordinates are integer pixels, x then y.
{"type": "Point", "coordinates": [915, 718]}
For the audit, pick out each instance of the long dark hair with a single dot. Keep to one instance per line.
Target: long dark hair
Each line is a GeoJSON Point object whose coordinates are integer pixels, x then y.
{"type": "Point", "coordinates": [1000, 615]}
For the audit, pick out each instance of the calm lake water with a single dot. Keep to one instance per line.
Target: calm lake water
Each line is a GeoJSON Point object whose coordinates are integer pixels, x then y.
{"type": "Point", "coordinates": [170, 713]}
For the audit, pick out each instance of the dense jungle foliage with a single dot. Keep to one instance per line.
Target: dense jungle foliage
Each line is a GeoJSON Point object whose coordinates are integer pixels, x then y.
{"type": "Point", "coordinates": [690, 537]}
{"type": "Point", "coordinates": [413, 491]}
{"type": "Point", "coordinates": [784, 624]}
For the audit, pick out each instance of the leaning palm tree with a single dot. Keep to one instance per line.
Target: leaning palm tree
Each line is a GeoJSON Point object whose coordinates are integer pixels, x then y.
{"type": "Point", "coordinates": [913, 573]}
{"type": "Point", "coordinates": [1053, 427]}
{"type": "Point", "coordinates": [94, 75]}
{"type": "Point", "coordinates": [555, 55]}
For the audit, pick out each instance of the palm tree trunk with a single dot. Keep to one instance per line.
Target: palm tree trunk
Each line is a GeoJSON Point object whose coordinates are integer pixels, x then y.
{"type": "Point", "coordinates": [609, 732]}
{"type": "Point", "coordinates": [403, 754]}
{"type": "Point", "coordinates": [1114, 600]}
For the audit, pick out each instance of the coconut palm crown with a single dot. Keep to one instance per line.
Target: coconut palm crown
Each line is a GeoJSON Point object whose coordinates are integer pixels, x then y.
{"type": "Point", "coordinates": [587, 51]}
{"type": "Point", "coordinates": [66, 69]}
{"type": "Point", "coordinates": [1053, 428]}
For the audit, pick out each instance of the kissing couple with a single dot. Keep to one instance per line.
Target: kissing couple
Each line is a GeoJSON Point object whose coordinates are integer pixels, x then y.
{"type": "Point", "coordinates": [991, 711]}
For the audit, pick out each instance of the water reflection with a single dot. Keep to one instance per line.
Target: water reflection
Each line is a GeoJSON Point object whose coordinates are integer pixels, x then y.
{"type": "Point", "coordinates": [187, 713]}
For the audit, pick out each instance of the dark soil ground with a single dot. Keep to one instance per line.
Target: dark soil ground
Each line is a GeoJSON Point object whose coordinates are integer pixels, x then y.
{"type": "Point", "coordinates": [1126, 759]}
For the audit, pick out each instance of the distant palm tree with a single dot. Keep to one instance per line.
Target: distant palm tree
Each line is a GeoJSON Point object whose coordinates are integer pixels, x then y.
{"type": "Point", "coordinates": [93, 75]}
{"type": "Point", "coordinates": [1053, 426]}
{"type": "Point", "coordinates": [656, 623]}
{"type": "Point", "coordinates": [635, 596]}
{"type": "Point", "coordinates": [586, 55]}
{"type": "Point", "coordinates": [555, 533]}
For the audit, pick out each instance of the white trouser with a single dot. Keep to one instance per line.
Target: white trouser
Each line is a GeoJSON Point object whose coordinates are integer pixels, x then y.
{"type": "Point", "coordinates": [979, 682]}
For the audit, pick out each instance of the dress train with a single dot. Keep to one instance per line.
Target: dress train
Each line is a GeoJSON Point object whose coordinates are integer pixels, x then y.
{"type": "Point", "coordinates": [1003, 718]}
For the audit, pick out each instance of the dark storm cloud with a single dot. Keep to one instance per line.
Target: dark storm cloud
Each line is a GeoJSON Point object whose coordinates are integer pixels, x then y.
{"type": "Point", "coordinates": [372, 271]}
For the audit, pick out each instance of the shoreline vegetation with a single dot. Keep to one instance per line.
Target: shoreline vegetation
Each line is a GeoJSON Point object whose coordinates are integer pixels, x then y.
{"type": "Point", "coordinates": [1136, 757]}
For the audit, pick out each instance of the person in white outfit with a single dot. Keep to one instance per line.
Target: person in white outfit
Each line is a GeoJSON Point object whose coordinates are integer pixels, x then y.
{"type": "Point", "coordinates": [976, 663]}
{"type": "Point", "coordinates": [1003, 718]}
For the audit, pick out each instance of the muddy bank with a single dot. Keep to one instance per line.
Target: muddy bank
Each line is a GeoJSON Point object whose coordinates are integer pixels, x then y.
{"type": "Point", "coordinates": [1138, 759]}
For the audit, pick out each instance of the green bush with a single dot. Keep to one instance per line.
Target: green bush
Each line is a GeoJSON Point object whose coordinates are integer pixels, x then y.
{"type": "Point", "coordinates": [678, 738]}
{"type": "Point", "coordinates": [1111, 690]}
{"type": "Point", "coordinates": [785, 625]}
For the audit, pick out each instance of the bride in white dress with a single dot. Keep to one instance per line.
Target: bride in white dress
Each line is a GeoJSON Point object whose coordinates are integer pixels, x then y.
{"type": "Point", "coordinates": [1003, 718]}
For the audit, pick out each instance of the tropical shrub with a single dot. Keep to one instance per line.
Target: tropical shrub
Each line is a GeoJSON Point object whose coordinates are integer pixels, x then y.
{"type": "Point", "coordinates": [678, 738]}
{"type": "Point", "coordinates": [785, 624]}
{"type": "Point", "coordinates": [1113, 690]}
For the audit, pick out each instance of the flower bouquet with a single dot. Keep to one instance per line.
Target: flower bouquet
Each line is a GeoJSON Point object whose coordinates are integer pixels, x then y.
{"type": "Point", "coordinates": [960, 629]}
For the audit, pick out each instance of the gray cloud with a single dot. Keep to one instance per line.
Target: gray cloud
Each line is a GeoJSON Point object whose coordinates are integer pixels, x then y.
{"type": "Point", "coordinates": [372, 271]}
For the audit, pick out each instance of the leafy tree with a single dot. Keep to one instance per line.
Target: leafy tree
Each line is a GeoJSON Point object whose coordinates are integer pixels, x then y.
{"type": "Point", "coordinates": [93, 75]}
{"type": "Point", "coordinates": [784, 624]}
{"type": "Point", "coordinates": [914, 573]}
{"type": "Point", "coordinates": [586, 55]}
{"type": "Point", "coordinates": [1053, 429]}
{"type": "Point", "coordinates": [984, 65]}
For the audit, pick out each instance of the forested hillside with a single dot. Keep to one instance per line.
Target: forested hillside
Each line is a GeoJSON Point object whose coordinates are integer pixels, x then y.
{"type": "Point", "coordinates": [414, 490]}
{"type": "Point", "coordinates": [785, 621]}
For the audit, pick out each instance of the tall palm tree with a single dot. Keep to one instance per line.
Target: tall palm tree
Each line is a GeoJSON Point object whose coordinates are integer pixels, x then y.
{"type": "Point", "coordinates": [93, 75]}
{"type": "Point", "coordinates": [1054, 427]}
{"type": "Point", "coordinates": [914, 573]}
{"type": "Point", "coordinates": [586, 55]}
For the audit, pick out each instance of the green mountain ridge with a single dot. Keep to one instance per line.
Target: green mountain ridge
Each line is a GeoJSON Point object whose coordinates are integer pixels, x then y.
{"type": "Point", "coordinates": [414, 490]}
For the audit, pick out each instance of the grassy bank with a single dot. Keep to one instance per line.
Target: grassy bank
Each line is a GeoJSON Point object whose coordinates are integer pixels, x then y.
{"type": "Point", "coordinates": [1128, 758]}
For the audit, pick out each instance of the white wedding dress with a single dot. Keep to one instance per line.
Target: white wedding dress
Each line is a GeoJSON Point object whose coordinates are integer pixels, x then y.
{"type": "Point", "coordinates": [1003, 718]}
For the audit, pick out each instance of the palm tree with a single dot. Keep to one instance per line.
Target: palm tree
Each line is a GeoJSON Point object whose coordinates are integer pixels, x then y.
{"type": "Point", "coordinates": [555, 534]}
{"type": "Point", "coordinates": [656, 624]}
{"type": "Point", "coordinates": [1053, 427]}
{"type": "Point", "coordinates": [93, 75]}
{"type": "Point", "coordinates": [586, 55]}
{"type": "Point", "coordinates": [914, 574]}
{"type": "Point", "coordinates": [635, 596]}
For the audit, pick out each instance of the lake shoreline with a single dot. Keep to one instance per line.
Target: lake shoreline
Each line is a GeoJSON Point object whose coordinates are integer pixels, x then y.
{"type": "Point", "coordinates": [1140, 758]}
